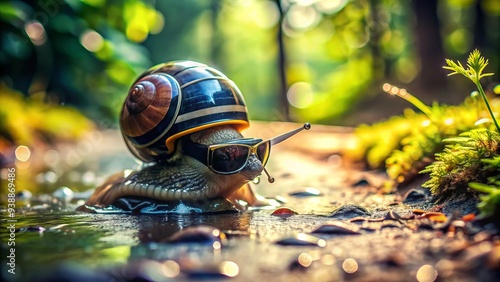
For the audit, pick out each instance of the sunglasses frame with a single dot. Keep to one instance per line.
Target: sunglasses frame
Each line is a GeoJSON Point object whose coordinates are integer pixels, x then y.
{"type": "Point", "coordinates": [205, 153]}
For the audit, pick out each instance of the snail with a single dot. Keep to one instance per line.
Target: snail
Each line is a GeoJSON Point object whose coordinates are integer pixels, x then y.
{"type": "Point", "coordinates": [183, 121]}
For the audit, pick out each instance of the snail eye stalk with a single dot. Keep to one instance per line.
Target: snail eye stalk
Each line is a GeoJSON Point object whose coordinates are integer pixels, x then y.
{"type": "Point", "coordinates": [280, 138]}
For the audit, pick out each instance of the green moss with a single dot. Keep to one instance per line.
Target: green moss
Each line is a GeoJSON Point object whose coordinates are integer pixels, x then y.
{"type": "Point", "coordinates": [462, 161]}
{"type": "Point", "coordinates": [427, 142]}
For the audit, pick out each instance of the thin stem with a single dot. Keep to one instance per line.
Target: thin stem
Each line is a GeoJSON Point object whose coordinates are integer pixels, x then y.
{"type": "Point", "coordinates": [481, 91]}
{"type": "Point", "coordinates": [402, 93]}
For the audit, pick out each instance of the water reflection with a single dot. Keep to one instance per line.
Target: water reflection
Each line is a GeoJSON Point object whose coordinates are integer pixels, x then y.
{"type": "Point", "coordinates": [46, 238]}
{"type": "Point", "coordinates": [160, 228]}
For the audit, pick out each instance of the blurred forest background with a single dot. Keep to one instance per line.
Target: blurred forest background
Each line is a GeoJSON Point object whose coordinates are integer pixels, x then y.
{"type": "Point", "coordinates": [321, 61]}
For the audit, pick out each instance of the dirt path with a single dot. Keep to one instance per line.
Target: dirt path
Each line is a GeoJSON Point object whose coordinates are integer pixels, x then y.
{"type": "Point", "coordinates": [344, 229]}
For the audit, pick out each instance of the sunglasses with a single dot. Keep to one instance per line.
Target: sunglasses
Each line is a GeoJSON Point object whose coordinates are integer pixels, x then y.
{"type": "Point", "coordinates": [232, 156]}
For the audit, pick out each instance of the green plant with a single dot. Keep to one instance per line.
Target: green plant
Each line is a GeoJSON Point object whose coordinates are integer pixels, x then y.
{"type": "Point", "coordinates": [404, 145]}
{"type": "Point", "coordinates": [475, 66]}
{"type": "Point", "coordinates": [462, 162]}
{"type": "Point", "coordinates": [427, 142]}
{"type": "Point", "coordinates": [490, 201]}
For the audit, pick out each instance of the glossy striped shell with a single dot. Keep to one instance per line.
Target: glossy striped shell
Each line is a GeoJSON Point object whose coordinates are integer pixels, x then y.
{"type": "Point", "coordinates": [176, 99]}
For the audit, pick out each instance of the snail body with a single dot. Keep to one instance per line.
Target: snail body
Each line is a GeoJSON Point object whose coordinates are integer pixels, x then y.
{"type": "Point", "coordinates": [167, 107]}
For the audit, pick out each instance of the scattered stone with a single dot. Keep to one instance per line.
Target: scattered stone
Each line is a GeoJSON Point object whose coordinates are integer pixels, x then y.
{"type": "Point", "coordinates": [307, 192]}
{"type": "Point", "coordinates": [415, 195]}
{"type": "Point", "coordinates": [392, 215]}
{"type": "Point", "coordinates": [368, 229]}
{"type": "Point", "coordinates": [284, 212]}
{"type": "Point", "coordinates": [361, 183]}
{"type": "Point", "coordinates": [358, 219]}
{"type": "Point", "coordinates": [434, 216]}
{"type": "Point", "coordinates": [349, 211]}
{"type": "Point", "coordinates": [200, 234]}
{"type": "Point", "coordinates": [418, 211]}
{"type": "Point", "coordinates": [469, 217]}
{"type": "Point", "coordinates": [302, 239]}
{"type": "Point", "coordinates": [337, 227]}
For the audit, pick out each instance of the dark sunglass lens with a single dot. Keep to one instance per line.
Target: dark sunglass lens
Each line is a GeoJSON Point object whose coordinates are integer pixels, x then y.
{"type": "Point", "coordinates": [229, 158]}
{"type": "Point", "coordinates": [263, 152]}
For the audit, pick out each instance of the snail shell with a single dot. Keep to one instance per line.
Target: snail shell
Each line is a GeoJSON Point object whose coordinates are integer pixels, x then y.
{"type": "Point", "coordinates": [176, 99]}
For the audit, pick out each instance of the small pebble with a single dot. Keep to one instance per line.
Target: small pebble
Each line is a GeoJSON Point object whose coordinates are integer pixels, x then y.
{"type": "Point", "coordinates": [418, 211]}
{"type": "Point", "coordinates": [302, 239]}
{"type": "Point", "coordinates": [284, 212]}
{"type": "Point", "coordinates": [358, 219]}
{"type": "Point", "coordinates": [361, 183]}
{"type": "Point", "coordinates": [469, 217]}
{"type": "Point", "coordinates": [392, 215]}
{"type": "Point", "coordinates": [307, 192]}
{"type": "Point", "coordinates": [337, 227]}
{"type": "Point", "coordinates": [349, 211]}
{"type": "Point", "coordinates": [415, 195]}
{"type": "Point", "coordinates": [434, 216]}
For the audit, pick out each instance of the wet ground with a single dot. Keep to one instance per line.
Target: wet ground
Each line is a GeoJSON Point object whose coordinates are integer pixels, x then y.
{"type": "Point", "coordinates": [340, 228]}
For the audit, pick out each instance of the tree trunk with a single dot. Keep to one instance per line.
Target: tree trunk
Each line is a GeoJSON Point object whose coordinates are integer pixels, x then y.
{"type": "Point", "coordinates": [429, 46]}
{"type": "Point", "coordinates": [283, 100]}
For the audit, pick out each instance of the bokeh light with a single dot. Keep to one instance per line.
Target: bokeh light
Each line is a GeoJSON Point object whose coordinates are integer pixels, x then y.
{"type": "Point", "coordinates": [22, 153]}
{"type": "Point", "coordinates": [305, 259]}
{"type": "Point", "coordinates": [350, 265]}
{"type": "Point", "coordinates": [91, 40]}
{"type": "Point", "coordinates": [170, 268]}
{"type": "Point", "coordinates": [36, 32]}
{"type": "Point", "coordinates": [426, 273]}
{"type": "Point", "coordinates": [300, 95]}
{"type": "Point", "coordinates": [229, 268]}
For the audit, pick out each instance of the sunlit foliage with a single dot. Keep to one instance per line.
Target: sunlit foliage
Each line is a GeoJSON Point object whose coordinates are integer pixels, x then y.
{"type": "Point", "coordinates": [406, 144]}
{"type": "Point", "coordinates": [82, 53]}
{"type": "Point", "coordinates": [463, 161]}
{"type": "Point", "coordinates": [87, 52]}
{"type": "Point", "coordinates": [429, 140]}
{"type": "Point", "coordinates": [31, 122]}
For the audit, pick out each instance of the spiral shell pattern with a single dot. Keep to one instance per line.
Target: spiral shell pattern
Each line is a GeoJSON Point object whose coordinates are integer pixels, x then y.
{"type": "Point", "coordinates": [148, 102]}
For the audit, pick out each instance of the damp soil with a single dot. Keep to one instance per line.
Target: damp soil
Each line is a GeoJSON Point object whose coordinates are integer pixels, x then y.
{"type": "Point", "coordinates": [333, 224]}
